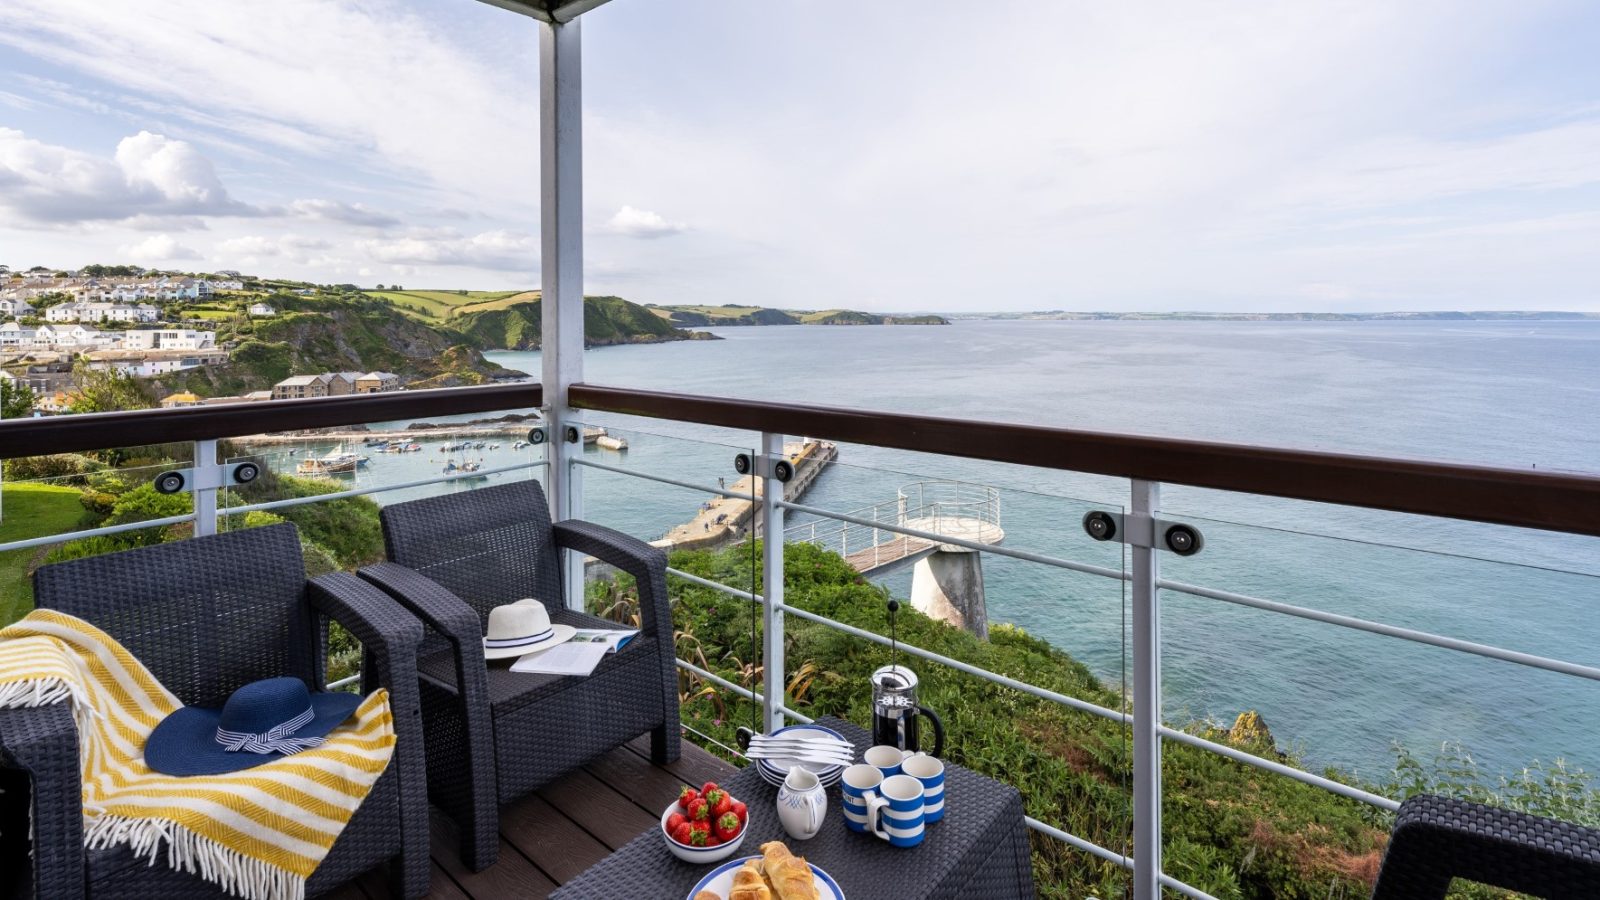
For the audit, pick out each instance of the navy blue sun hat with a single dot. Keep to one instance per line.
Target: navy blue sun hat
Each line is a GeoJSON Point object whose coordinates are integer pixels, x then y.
{"type": "Point", "coordinates": [263, 721]}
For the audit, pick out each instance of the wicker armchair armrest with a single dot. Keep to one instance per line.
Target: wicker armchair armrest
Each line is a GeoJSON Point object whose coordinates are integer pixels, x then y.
{"type": "Point", "coordinates": [389, 637]}
{"type": "Point", "coordinates": [647, 565]}
{"type": "Point", "coordinates": [1436, 839]}
{"type": "Point", "coordinates": [431, 602]}
{"type": "Point", "coordinates": [43, 741]}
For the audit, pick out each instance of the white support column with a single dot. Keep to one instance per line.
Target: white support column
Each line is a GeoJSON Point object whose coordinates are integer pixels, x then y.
{"type": "Point", "coordinates": [561, 267]}
{"type": "Point", "coordinates": [774, 682]}
{"type": "Point", "coordinates": [205, 498]}
{"type": "Point", "coordinates": [1146, 690]}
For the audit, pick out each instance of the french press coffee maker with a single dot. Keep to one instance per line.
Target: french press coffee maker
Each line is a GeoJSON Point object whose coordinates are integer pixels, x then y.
{"type": "Point", "coordinates": [895, 712]}
{"type": "Point", "coordinates": [894, 702]}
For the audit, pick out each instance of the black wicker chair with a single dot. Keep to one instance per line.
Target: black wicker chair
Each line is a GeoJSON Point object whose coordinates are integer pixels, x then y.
{"type": "Point", "coordinates": [494, 735]}
{"type": "Point", "coordinates": [1436, 839]}
{"type": "Point", "coordinates": [207, 615]}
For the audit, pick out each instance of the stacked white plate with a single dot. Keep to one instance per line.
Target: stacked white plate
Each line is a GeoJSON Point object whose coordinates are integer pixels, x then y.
{"type": "Point", "coordinates": [773, 771]}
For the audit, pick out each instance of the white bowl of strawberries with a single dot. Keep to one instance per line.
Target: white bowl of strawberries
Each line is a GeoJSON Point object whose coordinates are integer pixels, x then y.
{"type": "Point", "coordinates": [704, 825]}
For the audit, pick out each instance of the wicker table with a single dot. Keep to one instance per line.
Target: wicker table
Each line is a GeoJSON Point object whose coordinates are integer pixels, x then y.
{"type": "Point", "coordinates": [979, 849]}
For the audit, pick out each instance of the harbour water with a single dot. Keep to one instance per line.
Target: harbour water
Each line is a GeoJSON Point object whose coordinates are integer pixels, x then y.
{"type": "Point", "coordinates": [1510, 394]}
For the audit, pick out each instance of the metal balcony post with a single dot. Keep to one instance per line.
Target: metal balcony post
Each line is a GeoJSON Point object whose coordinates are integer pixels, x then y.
{"type": "Point", "coordinates": [1146, 691]}
{"type": "Point", "coordinates": [773, 683]}
{"type": "Point", "coordinates": [561, 269]}
{"type": "Point", "coordinates": [205, 498]}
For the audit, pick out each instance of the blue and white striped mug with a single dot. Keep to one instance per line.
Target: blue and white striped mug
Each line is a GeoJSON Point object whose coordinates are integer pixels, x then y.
{"type": "Point", "coordinates": [896, 815]}
{"type": "Point", "coordinates": [857, 785]}
{"type": "Point", "coordinates": [930, 772]}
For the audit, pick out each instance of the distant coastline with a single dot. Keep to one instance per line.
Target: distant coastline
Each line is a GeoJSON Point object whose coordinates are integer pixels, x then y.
{"type": "Point", "coordinates": [1425, 316]}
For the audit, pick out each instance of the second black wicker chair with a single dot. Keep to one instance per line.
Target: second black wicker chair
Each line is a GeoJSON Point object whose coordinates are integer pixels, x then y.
{"type": "Point", "coordinates": [1437, 839]}
{"type": "Point", "coordinates": [494, 735]}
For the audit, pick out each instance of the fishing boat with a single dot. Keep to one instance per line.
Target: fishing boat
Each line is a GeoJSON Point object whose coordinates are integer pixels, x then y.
{"type": "Point", "coordinates": [336, 462]}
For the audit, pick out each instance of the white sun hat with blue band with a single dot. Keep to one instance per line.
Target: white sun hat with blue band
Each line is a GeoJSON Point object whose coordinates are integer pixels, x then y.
{"type": "Point", "coordinates": [520, 628]}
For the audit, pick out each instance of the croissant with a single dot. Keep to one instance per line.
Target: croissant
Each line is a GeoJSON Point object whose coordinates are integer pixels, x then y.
{"type": "Point", "coordinates": [707, 895]}
{"type": "Point", "coordinates": [748, 883]}
{"type": "Point", "coordinates": [790, 875]}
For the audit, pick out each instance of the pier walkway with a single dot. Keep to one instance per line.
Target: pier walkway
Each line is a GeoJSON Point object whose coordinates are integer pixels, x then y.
{"type": "Point", "coordinates": [967, 512]}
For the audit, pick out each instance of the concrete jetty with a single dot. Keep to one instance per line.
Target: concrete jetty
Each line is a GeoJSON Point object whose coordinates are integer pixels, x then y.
{"type": "Point", "coordinates": [724, 520]}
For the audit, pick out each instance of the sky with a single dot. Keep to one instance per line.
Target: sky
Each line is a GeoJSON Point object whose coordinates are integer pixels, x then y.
{"type": "Point", "coordinates": [910, 155]}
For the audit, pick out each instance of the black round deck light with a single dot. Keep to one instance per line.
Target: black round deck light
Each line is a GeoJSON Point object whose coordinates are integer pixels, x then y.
{"type": "Point", "coordinates": [1101, 526]}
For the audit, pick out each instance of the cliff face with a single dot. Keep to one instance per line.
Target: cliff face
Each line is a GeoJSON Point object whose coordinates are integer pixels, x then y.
{"type": "Point", "coordinates": [606, 321]}
{"type": "Point", "coordinates": [327, 335]}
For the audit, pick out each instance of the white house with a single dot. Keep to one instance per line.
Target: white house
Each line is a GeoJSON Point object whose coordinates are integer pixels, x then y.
{"type": "Point", "coordinates": [168, 339]}
{"type": "Point", "coordinates": [15, 306]}
{"type": "Point", "coordinates": [14, 336]}
{"type": "Point", "coordinates": [102, 312]}
{"type": "Point", "coordinates": [262, 310]}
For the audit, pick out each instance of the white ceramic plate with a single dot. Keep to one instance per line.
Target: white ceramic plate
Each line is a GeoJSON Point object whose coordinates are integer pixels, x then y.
{"type": "Point", "coordinates": [780, 767]}
{"type": "Point", "coordinates": [720, 881]}
{"type": "Point", "coordinates": [828, 779]}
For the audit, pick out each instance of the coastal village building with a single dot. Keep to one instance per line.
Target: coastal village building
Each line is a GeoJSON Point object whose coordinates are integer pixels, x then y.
{"type": "Point", "coordinates": [102, 312]}
{"type": "Point", "coordinates": [168, 339]}
{"type": "Point", "coordinates": [14, 336]}
{"type": "Point", "coordinates": [48, 378]}
{"type": "Point", "coordinates": [377, 383]}
{"type": "Point", "coordinates": [15, 306]}
{"type": "Point", "coordinates": [327, 384]}
{"type": "Point", "coordinates": [262, 311]}
{"type": "Point", "coordinates": [56, 402]}
{"type": "Point", "coordinates": [180, 400]}
{"type": "Point", "coordinates": [147, 363]}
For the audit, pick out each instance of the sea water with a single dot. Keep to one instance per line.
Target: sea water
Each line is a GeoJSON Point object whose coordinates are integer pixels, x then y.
{"type": "Point", "coordinates": [1514, 394]}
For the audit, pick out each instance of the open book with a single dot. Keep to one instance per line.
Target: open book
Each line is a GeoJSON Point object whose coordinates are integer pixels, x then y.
{"type": "Point", "coordinates": [578, 656]}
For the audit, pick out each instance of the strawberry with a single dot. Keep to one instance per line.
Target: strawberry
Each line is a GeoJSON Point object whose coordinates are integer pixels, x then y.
{"type": "Point", "coordinates": [699, 811]}
{"type": "Point", "coordinates": [720, 806]}
{"type": "Point", "coordinates": [714, 796]}
{"type": "Point", "coordinates": [699, 835]}
{"type": "Point", "coordinates": [707, 788]}
{"type": "Point", "coordinates": [673, 821]}
{"type": "Point", "coordinates": [712, 840]}
{"type": "Point", "coordinates": [685, 795]}
{"type": "Point", "coordinates": [726, 827]}
{"type": "Point", "coordinates": [740, 810]}
{"type": "Point", "coordinates": [682, 833]}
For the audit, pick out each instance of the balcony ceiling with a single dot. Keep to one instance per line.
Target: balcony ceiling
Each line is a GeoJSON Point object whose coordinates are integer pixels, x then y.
{"type": "Point", "coordinates": [548, 10]}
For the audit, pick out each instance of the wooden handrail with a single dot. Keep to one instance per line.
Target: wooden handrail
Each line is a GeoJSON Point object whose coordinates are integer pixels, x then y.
{"type": "Point", "coordinates": [1553, 501]}
{"type": "Point", "coordinates": [98, 431]}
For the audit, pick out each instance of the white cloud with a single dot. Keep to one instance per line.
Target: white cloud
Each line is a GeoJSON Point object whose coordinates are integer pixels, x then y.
{"type": "Point", "coordinates": [344, 213]}
{"type": "Point", "coordinates": [256, 250]}
{"type": "Point", "coordinates": [331, 80]}
{"type": "Point", "coordinates": [150, 175]}
{"type": "Point", "coordinates": [500, 250]}
{"type": "Point", "coordinates": [157, 248]}
{"type": "Point", "coordinates": [642, 223]}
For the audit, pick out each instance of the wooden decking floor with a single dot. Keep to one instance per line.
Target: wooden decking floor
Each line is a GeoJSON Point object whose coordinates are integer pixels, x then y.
{"type": "Point", "coordinates": [550, 837]}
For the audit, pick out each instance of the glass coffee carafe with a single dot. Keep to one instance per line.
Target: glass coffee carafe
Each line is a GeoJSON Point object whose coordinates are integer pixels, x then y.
{"type": "Point", "coordinates": [895, 712]}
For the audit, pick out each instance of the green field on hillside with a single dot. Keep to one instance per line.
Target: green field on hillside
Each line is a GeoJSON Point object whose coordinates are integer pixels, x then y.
{"type": "Point", "coordinates": [502, 300]}
{"type": "Point", "coordinates": [438, 305]}
{"type": "Point", "coordinates": [30, 510]}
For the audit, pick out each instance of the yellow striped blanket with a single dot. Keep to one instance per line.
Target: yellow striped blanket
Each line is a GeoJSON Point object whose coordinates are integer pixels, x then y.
{"type": "Point", "coordinates": [257, 833]}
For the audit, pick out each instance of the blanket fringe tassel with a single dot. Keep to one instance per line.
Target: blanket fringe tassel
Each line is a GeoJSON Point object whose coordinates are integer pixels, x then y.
{"type": "Point", "coordinates": [234, 872]}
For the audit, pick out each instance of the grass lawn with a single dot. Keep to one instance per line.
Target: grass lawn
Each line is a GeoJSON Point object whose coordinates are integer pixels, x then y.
{"type": "Point", "coordinates": [31, 510]}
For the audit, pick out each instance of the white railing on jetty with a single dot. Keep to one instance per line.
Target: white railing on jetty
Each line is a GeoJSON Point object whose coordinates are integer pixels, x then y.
{"type": "Point", "coordinates": [873, 537]}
